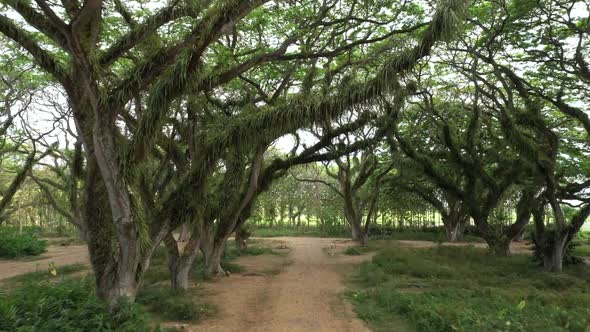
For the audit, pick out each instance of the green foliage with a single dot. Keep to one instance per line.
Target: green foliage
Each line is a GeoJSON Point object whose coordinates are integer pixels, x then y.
{"type": "Point", "coordinates": [13, 244]}
{"type": "Point", "coordinates": [66, 306]}
{"type": "Point", "coordinates": [169, 305]}
{"type": "Point", "coordinates": [464, 289]}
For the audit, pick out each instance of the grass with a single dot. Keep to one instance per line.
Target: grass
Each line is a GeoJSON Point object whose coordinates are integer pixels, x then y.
{"type": "Point", "coordinates": [582, 250]}
{"type": "Point", "coordinates": [464, 289]}
{"type": "Point", "coordinates": [46, 275]}
{"type": "Point", "coordinates": [583, 241]}
{"type": "Point", "coordinates": [167, 305]}
{"type": "Point", "coordinates": [356, 251]}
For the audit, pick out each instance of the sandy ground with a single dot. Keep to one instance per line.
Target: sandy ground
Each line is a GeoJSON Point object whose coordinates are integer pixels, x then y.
{"type": "Point", "coordinates": [59, 255]}
{"type": "Point", "coordinates": [306, 295]}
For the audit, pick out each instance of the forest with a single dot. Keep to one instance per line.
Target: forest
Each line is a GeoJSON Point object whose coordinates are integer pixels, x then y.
{"type": "Point", "coordinates": [268, 165]}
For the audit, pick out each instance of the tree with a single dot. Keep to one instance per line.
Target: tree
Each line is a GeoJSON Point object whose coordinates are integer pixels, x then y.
{"type": "Point", "coordinates": [93, 68]}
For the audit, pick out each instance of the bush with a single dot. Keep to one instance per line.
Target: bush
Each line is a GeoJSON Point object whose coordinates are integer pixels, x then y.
{"type": "Point", "coordinates": [66, 306]}
{"type": "Point", "coordinates": [13, 244]}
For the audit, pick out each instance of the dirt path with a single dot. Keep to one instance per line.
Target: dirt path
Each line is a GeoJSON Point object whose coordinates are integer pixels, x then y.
{"type": "Point", "coordinates": [305, 296]}
{"type": "Point", "coordinates": [59, 255]}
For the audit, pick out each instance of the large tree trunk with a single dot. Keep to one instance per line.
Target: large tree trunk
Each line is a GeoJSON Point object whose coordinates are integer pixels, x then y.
{"type": "Point", "coordinates": [553, 256]}
{"type": "Point", "coordinates": [212, 249]}
{"type": "Point", "coordinates": [359, 234]}
{"type": "Point", "coordinates": [550, 244]}
{"type": "Point", "coordinates": [241, 236]}
{"type": "Point", "coordinates": [213, 259]}
{"type": "Point", "coordinates": [180, 260]}
{"type": "Point", "coordinates": [113, 279]}
{"type": "Point", "coordinates": [453, 231]}
{"type": "Point", "coordinates": [454, 226]}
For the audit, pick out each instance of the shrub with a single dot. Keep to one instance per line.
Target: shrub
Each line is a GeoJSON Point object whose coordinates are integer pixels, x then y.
{"type": "Point", "coordinates": [13, 244]}
{"type": "Point", "coordinates": [66, 306]}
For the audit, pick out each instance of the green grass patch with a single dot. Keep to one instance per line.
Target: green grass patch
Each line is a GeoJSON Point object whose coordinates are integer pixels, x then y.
{"type": "Point", "coordinates": [168, 305]}
{"type": "Point", "coordinates": [465, 289]}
